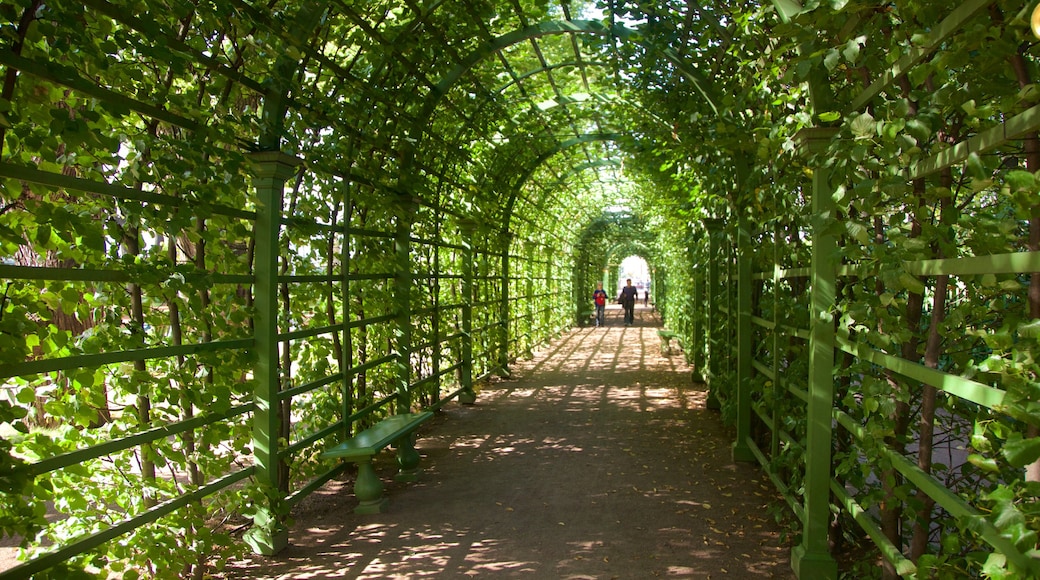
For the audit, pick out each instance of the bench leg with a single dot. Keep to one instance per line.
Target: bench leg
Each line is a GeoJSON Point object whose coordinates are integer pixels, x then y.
{"type": "Point", "coordinates": [407, 460]}
{"type": "Point", "coordinates": [369, 490]}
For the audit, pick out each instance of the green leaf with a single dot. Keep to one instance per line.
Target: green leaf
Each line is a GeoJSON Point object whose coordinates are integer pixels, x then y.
{"type": "Point", "coordinates": [1030, 329]}
{"type": "Point", "coordinates": [829, 116]}
{"type": "Point", "coordinates": [1020, 451]}
{"type": "Point", "coordinates": [831, 60]}
{"type": "Point", "coordinates": [975, 168]}
{"type": "Point", "coordinates": [862, 126]}
{"type": "Point", "coordinates": [984, 463]}
{"type": "Point", "coordinates": [911, 283]}
{"type": "Point", "coordinates": [851, 50]}
{"type": "Point", "coordinates": [1020, 180]}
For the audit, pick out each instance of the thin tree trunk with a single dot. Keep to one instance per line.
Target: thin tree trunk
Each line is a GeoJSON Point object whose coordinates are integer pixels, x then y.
{"type": "Point", "coordinates": [929, 394]}
{"type": "Point", "coordinates": [132, 242]}
{"type": "Point", "coordinates": [1031, 143]}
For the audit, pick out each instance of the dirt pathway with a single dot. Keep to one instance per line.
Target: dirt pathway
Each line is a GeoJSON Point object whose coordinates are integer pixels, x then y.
{"type": "Point", "coordinates": [596, 459]}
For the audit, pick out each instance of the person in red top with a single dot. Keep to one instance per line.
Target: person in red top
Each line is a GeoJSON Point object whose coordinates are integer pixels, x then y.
{"type": "Point", "coordinates": [599, 297]}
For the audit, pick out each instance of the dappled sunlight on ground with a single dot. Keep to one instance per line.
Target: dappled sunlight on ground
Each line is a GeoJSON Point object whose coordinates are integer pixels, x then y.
{"type": "Point", "coordinates": [595, 459]}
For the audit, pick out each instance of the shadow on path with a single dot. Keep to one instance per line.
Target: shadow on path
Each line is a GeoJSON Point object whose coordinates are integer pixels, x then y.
{"type": "Point", "coordinates": [597, 459]}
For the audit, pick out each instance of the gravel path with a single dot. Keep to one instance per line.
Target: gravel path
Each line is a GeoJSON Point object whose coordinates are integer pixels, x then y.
{"type": "Point", "coordinates": [595, 459]}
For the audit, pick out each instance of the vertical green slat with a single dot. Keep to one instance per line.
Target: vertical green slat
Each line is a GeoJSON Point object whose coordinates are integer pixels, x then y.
{"type": "Point", "coordinates": [774, 444]}
{"type": "Point", "coordinates": [467, 396]}
{"type": "Point", "coordinates": [741, 451]}
{"type": "Point", "coordinates": [505, 239]}
{"type": "Point", "coordinates": [268, 535]}
{"type": "Point", "coordinates": [347, 362]}
{"type": "Point", "coordinates": [812, 558]}
{"type": "Point", "coordinates": [435, 322]}
{"type": "Point", "coordinates": [529, 252]}
{"type": "Point", "coordinates": [403, 300]}
{"type": "Point", "coordinates": [696, 307]}
{"type": "Point", "coordinates": [730, 288]}
{"type": "Point", "coordinates": [714, 228]}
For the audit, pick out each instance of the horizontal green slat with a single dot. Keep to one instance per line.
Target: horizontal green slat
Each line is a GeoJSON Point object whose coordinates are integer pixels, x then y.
{"type": "Point", "coordinates": [1014, 263]}
{"type": "Point", "coordinates": [69, 77]}
{"type": "Point", "coordinates": [1025, 122]}
{"type": "Point", "coordinates": [781, 485]}
{"type": "Point", "coordinates": [309, 332]}
{"type": "Point", "coordinates": [87, 543]}
{"type": "Point", "coordinates": [439, 244]}
{"type": "Point", "coordinates": [767, 324]}
{"type": "Point", "coordinates": [946, 28]}
{"type": "Point", "coordinates": [436, 375]}
{"type": "Point", "coordinates": [854, 270]}
{"type": "Point", "coordinates": [95, 275]}
{"type": "Point", "coordinates": [447, 398]}
{"type": "Point", "coordinates": [370, 321]}
{"type": "Point", "coordinates": [968, 389]}
{"type": "Point", "coordinates": [951, 502]}
{"type": "Point", "coordinates": [371, 364]}
{"type": "Point", "coordinates": [328, 279]}
{"type": "Point", "coordinates": [795, 273]}
{"type": "Point", "coordinates": [310, 439]}
{"type": "Point", "coordinates": [802, 333]}
{"type": "Point", "coordinates": [903, 566]}
{"type": "Point", "coordinates": [315, 484]}
{"type": "Point", "coordinates": [148, 29]}
{"type": "Point", "coordinates": [415, 348]}
{"type": "Point", "coordinates": [767, 372]}
{"type": "Point", "coordinates": [116, 445]}
{"type": "Point", "coordinates": [287, 393]}
{"type": "Point", "coordinates": [56, 180]}
{"type": "Point", "coordinates": [36, 367]}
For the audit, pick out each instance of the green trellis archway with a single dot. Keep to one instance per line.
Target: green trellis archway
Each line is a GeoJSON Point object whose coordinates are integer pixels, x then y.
{"type": "Point", "coordinates": [232, 234]}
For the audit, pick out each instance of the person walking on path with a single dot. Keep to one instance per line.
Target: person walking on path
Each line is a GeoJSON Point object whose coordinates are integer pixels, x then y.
{"type": "Point", "coordinates": [628, 302]}
{"type": "Point", "coordinates": [599, 298]}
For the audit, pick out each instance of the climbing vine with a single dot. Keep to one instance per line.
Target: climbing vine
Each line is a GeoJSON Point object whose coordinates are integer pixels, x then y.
{"type": "Point", "coordinates": [457, 178]}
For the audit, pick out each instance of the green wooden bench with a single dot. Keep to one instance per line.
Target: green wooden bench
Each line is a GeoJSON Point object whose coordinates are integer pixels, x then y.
{"type": "Point", "coordinates": [666, 340]}
{"type": "Point", "coordinates": [361, 448]}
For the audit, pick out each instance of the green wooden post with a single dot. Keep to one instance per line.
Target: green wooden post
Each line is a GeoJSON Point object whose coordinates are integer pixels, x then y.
{"type": "Point", "coordinates": [550, 288]}
{"type": "Point", "coordinates": [505, 241]}
{"type": "Point", "coordinates": [714, 228]}
{"type": "Point", "coordinates": [730, 288]}
{"type": "Point", "coordinates": [347, 356]}
{"type": "Point", "coordinates": [774, 443]}
{"type": "Point", "coordinates": [660, 286]}
{"type": "Point", "coordinates": [402, 336]}
{"type": "Point", "coordinates": [467, 396]}
{"type": "Point", "coordinates": [696, 351]}
{"type": "Point", "coordinates": [435, 322]}
{"type": "Point", "coordinates": [529, 254]}
{"type": "Point", "coordinates": [812, 558]}
{"type": "Point", "coordinates": [578, 286]}
{"type": "Point", "coordinates": [268, 535]}
{"type": "Point", "coordinates": [741, 448]}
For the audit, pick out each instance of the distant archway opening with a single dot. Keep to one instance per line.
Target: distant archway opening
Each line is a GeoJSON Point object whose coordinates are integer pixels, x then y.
{"type": "Point", "coordinates": [637, 269]}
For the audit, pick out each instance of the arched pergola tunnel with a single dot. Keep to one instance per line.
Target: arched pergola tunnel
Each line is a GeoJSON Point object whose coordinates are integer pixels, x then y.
{"type": "Point", "coordinates": [233, 233]}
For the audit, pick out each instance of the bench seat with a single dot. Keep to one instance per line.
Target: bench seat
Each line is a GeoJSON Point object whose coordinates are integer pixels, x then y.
{"type": "Point", "coordinates": [361, 448]}
{"type": "Point", "coordinates": [666, 340]}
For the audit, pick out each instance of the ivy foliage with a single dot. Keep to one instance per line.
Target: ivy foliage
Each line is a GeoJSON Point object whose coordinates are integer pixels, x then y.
{"type": "Point", "coordinates": [471, 168]}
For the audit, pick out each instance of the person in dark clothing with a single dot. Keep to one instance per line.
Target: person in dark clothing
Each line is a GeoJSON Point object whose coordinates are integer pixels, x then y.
{"type": "Point", "coordinates": [628, 302]}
